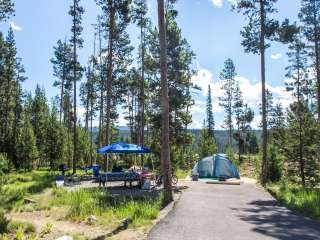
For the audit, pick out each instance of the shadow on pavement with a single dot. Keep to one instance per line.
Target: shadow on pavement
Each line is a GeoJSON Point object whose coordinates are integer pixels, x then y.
{"type": "Point", "coordinates": [270, 219]}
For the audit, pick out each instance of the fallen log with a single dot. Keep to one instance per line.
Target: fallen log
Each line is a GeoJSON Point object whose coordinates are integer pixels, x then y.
{"type": "Point", "coordinates": [224, 182]}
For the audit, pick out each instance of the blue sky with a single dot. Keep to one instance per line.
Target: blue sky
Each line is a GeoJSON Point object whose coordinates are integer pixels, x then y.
{"type": "Point", "coordinates": [212, 30]}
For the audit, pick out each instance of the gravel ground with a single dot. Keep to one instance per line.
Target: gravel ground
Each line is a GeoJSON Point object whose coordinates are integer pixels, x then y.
{"type": "Point", "coordinates": [224, 212]}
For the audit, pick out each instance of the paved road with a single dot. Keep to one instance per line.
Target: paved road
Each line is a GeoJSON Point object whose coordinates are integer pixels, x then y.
{"type": "Point", "coordinates": [224, 212]}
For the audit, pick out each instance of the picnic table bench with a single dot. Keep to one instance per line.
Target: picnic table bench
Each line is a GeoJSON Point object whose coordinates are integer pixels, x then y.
{"type": "Point", "coordinates": [119, 177]}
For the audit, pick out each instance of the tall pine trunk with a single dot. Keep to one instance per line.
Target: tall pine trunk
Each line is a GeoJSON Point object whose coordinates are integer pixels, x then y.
{"type": "Point", "coordinates": [165, 149]}
{"type": "Point", "coordinates": [142, 89]}
{"type": "Point", "coordinates": [109, 78]}
{"type": "Point", "coordinates": [74, 93]}
{"type": "Point", "coordinates": [62, 93]}
{"type": "Point", "coordinates": [264, 176]}
{"type": "Point", "coordinates": [101, 89]}
{"type": "Point", "coordinates": [301, 160]}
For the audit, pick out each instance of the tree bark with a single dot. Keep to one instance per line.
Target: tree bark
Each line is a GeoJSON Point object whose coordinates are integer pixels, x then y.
{"type": "Point", "coordinates": [74, 93]}
{"type": "Point", "coordinates": [264, 175]}
{"type": "Point", "coordinates": [142, 90]}
{"type": "Point", "coordinates": [317, 60]}
{"type": "Point", "coordinates": [109, 78]}
{"type": "Point", "coordinates": [301, 160]}
{"type": "Point", "coordinates": [101, 87]}
{"type": "Point", "coordinates": [165, 149]}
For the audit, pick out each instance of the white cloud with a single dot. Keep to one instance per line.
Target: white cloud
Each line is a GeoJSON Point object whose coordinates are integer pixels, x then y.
{"type": "Point", "coordinates": [251, 93]}
{"type": "Point", "coordinates": [219, 3]}
{"type": "Point", "coordinates": [202, 79]}
{"type": "Point", "coordinates": [197, 108]}
{"type": "Point", "coordinates": [195, 124]}
{"type": "Point", "coordinates": [276, 56]}
{"type": "Point", "coordinates": [121, 121]}
{"type": "Point", "coordinates": [15, 27]}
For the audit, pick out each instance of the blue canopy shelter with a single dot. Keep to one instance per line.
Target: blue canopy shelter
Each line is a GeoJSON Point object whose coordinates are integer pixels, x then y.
{"type": "Point", "coordinates": [124, 148]}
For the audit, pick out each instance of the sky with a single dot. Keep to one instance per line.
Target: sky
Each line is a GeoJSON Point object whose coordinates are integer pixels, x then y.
{"type": "Point", "coordinates": [210, 27]}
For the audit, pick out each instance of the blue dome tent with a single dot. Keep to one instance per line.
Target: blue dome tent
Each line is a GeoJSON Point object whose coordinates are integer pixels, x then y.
{"type": "Point", "coordinates": [216, 166]}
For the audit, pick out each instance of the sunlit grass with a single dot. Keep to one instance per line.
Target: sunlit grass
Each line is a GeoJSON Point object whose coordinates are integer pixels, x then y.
{"type": "Point", "coordinates": [109, 210]}
{"type": "Point", "coordinates": [20, 185]}
{"type": "Point", "coordinates": [182, 174]}
{"type": "Point", "coordinates": [303, 200]}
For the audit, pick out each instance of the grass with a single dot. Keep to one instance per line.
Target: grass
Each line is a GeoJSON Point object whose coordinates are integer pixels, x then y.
{"type": "Point", "coordinates": [249, 167]}
{"type": "Point", "coordinates": [25, 227]}
{"type": "Point", "coordinates": [23, 184]}
{"type": "Point", "coordinates": [109, 210]}
{"type": "Point", "coordinates": [305, 201]}
{"type": "Point", "coordinates": [76, 205]}
{"type": "Point", "coordinates": [182, 174]}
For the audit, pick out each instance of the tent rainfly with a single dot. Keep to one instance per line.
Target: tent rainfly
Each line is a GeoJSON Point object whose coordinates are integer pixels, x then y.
{"type": "Point", "coordinates": [216, 166]}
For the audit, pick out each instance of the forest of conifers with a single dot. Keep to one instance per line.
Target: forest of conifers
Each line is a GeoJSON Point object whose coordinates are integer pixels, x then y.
{"type": "Point", "coordinates": [39, 132]}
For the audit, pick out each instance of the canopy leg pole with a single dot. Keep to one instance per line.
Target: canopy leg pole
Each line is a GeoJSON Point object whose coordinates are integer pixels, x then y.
{"type": "Point", "coordinates": [107, 171]}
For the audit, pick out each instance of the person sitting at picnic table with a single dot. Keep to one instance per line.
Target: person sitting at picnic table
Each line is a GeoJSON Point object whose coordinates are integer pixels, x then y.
{"type": "Point", "coordinates": [116, 168]}
{"type": "Point", "coordinates": [102, 179]}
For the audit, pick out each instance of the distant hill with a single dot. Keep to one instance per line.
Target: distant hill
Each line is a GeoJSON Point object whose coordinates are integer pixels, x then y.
{"type": "Point", "coordinates": [220, 135]}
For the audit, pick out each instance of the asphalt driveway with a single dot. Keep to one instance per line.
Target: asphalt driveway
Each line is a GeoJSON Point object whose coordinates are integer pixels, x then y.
{"type": "Point", "coordinates": [225, 212]}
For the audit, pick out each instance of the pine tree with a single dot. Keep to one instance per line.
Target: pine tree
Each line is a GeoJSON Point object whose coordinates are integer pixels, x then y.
{"type": "Point", "coordinates": [238, 108]}
{"type": "Point", "coordinates": [76, 12]}
{"type": "Point", "coordinates": [310, 16]}
{"type": "Point", "coordinates": [55, 141]}
{"type": "Point", "coordinates": [305, 140]}
{"type": "Point", "coordinates": [40, 119]}
{"type": "Point", "coordinates": [298, 73]}
{"type": "Point", "coordinates": [116, 15]}
{"type": "Point", "coordinates": [297, 70]}
{"type": "Point", "coordinates": [140, 18]}
{"type": "Point", "coordinates": [245, 129]}
{"type": "Point", "coordinates": [227, 76]}
{"type": "Point", "coordinates": [27, 151]}
{"type": "Point", "coordinates": [180, 70]}
{"type": "Point", "coordinates": [9, 83]}
{"type": "Point", "coordinates": [207, 146]}
{"type": "Point", "coordinates": [6, 9]}
{"type": "Point", "coordinates": [260, 28]}
{"type": "Point", "coordinates": [11, 77]}
{"type": "Point", "coordinates": [62, 71]}
{"type": "Point", "coordinates": [210, 119]}
{"type": "Point", "coordinates": [89, 99]}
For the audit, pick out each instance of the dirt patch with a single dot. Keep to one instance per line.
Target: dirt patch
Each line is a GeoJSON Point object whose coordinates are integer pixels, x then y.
{"type": "Point", "coordinates": [55, 216]}
{"type": "Point", "coordinates": [248, 180]}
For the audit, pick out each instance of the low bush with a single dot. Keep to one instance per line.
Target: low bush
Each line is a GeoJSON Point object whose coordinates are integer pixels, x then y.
{"type": "Point", "coordinates": [3, 223]}
{"type": "Point", "coordinates": [47, 229]}
{"type": "Point", "coordinates": [182, 174]}
{"type": "Point", "coordinates": [25, 227]}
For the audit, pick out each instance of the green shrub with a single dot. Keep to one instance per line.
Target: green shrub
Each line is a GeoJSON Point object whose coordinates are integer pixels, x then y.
{"type": "Point", "coordinates": [4, 163]}
{"type": "Point", "coordinates": [182, 174]}
{"type": "Point", "coordinates": [4, 237]}
{"type": "Point", "coordinates": [3, 223]}
{"type": "Point", "coordinates": [19, 235]}
{"type": "Point", "coordinates": [25, 227]}
{"type": "Point", "coordinates": [47, 229]}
